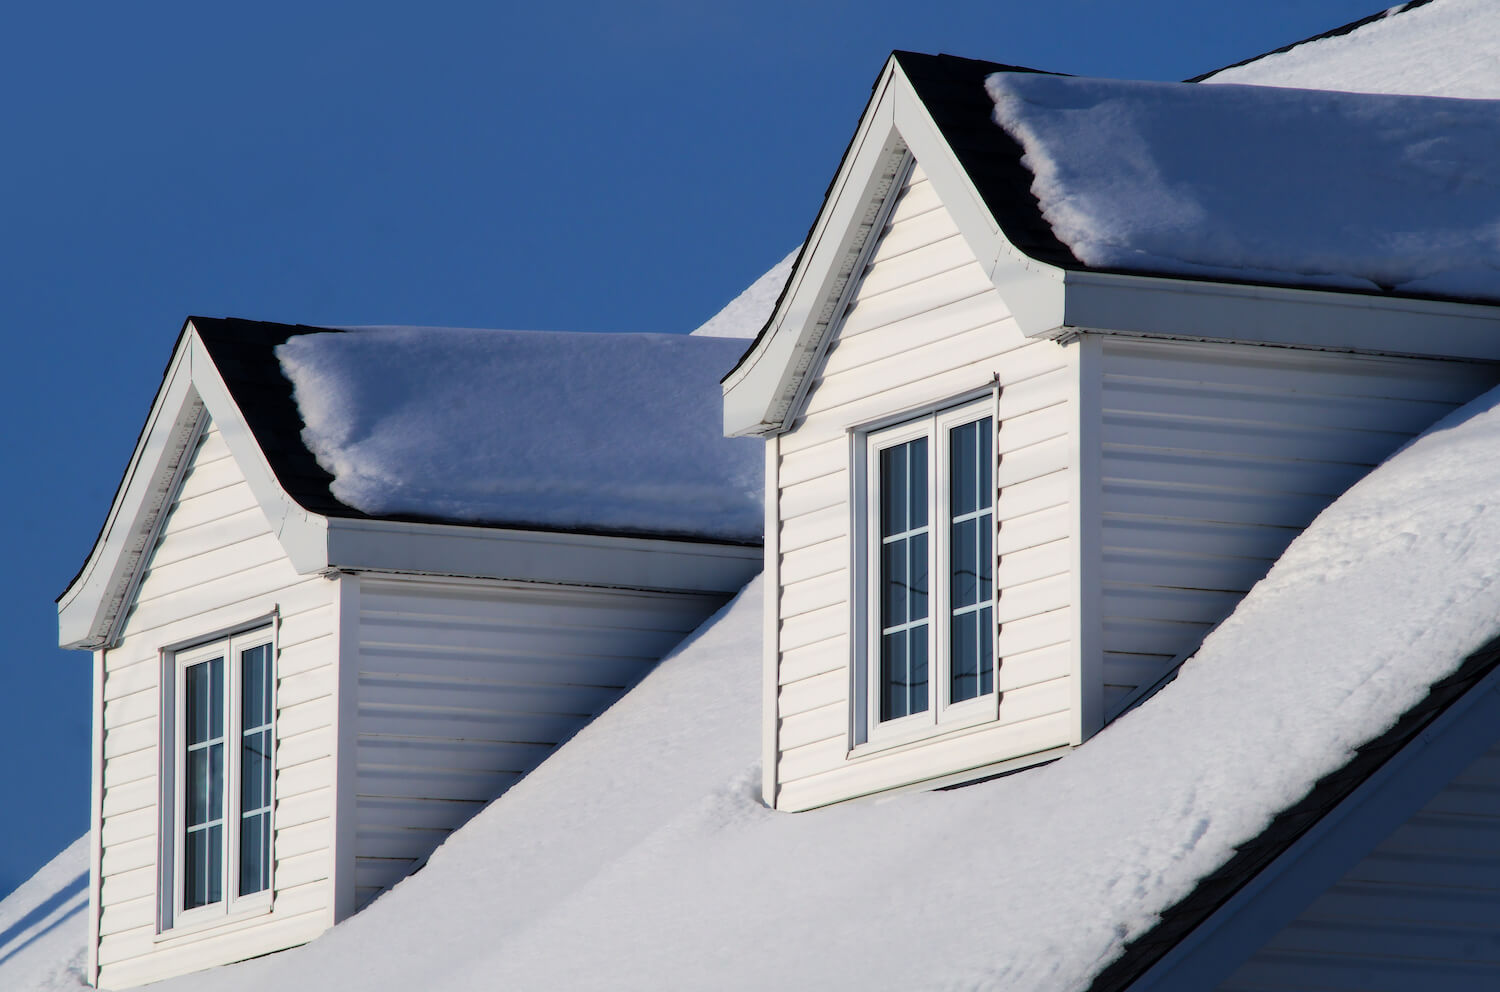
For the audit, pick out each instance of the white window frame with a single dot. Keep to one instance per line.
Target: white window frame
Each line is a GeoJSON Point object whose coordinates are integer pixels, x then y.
{"type": "Point", "coordinates": [174, 918]}
{"type": "Point", "coordinates": [867, 730]}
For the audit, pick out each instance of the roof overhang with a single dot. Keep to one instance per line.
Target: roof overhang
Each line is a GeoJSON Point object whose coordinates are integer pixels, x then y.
{"type": "Point", "coordinates": [763, 394]}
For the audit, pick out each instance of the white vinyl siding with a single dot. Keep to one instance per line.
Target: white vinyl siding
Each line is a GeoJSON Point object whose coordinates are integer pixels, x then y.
{"type": "Point", "coordinates": [216, 564]}
{"type": "Point", "coordinates": [464, 687]}
{"type": "Point", "coordinates": [1215, 456]}
{"type": "Point", "coordinates": [1417, 912]}
{"type": "Point", "coordinates": [925, 326]}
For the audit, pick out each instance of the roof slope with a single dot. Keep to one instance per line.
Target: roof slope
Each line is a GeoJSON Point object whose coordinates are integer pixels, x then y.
{"type": "Point", "coordinates": [599, 433]}
{"type": "Point", "coordinates": [640, 850]}
{"type": "Point", "coordinates": [1428, 47]}
{"type": "Point", "coordinates": [1364, 192]}
{"type": "Point", "coordinates": [548, 432]}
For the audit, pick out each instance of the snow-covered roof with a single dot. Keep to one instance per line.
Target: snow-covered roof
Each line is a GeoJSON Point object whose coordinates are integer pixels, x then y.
{"type": "Point", "coordinates": [746, 314]}
{"type": "Point", "coordinates": [1373, 193]}
{"type": "Point", "coordinates": [613, 433]}
{"type": "Point", "coordinates": [609, 880]}
{"type": "Point", "coordinates": [1429, 47]}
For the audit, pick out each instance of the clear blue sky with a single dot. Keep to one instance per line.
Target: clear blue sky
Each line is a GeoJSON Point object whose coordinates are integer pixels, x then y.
{"type": "Point", "coordinates": [585, 166]}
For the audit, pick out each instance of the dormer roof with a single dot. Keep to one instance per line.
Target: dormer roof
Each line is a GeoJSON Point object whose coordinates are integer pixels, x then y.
{"type": "Point", "coordinates": [1033, 200]}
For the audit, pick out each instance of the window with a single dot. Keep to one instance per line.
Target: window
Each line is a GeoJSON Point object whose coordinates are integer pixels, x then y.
{"type": "Point", "coordinates": [929, 511]}
{"type": "Point", "coordinates": [220, 742]}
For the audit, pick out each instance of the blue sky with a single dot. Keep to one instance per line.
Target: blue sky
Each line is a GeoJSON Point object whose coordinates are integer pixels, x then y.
{"type": "Point", "coordinates": [587, 166]}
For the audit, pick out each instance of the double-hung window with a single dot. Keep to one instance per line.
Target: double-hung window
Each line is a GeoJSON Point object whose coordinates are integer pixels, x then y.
{"type": "Point", "coordinates": [928, 640]}
{"type": "Point", "coordinates": [221, 774]}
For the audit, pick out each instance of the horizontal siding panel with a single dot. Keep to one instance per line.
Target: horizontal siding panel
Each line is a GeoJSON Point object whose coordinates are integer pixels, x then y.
{"type": "Point", "coordinates": [1030, 530]}
{"type": "Point", "coordinates": [448, 755]}
{"type": "Point", "coordinates": [217, 602]}
{"type": "Point", "coordinates": [1218, 471]}
{"type": "Point", "coordinates": [314, 804]}
{"type": "Point", "coordinates": [186, 543]}
{"type": "Point", "coordinates": [1165, 499]}
{"type": "Point", "coordinates": [1136, 635]}
{"type": "Point", "coordinates": [816, 560]}
{"type": "Point", "coordinates": [814, 527]}
{"type": "Point", "coordinates": [399, 843]}
{"type": "Point", "coordinates": [126, 679]}
{"type": "Point", "coordinates": [126, 827]}
{"type": "Point", "coordinates": [306, 777]}
{"type": "Point", "coordinates": [134, 960]}
{"type": "Point", "coordinates": [1033, 598]}
{"type": "Point", "coordinates": [188, 575]}
{"type": "Point", "coordinates": [814, 626]}
{"type": "Point", "coordinates": [304, 717]}
{"type": "Point", "coordinates": [209, 475]}
{"type": "Point", "coordinates": [123, 739]}
{"type": "Point", "coordinates": [824, 723]}
{"type": "Point", "coordinates": [130, 768]}
{"type": "Point", "coordinates": [815, 494]}
{"type": "Point", "coordinates": [493, 665]}
{"type": "Point", "coordinates": [1021, 669]}
{"type": "Point", "coordinates": [1290, 441]}
{"type": "Point", "coordinates": [814, 594]}
{"type": "Point", "coordinates": [1271, 405]}
{"type": "Point", "coordinates": [828, 455]}
{"type": "Point", "coordinates": [912, 231]}
{"type": "Point", "coordinates": [1195, 537]}
{"type": "Point", "coordinates": [1034, 701]}
{"type": "Point", "coordinates": [127, 798]}
{"type": "Point", "coordinates": [122, 857]}
{"type": "Point", "coordinates": [1028, 565]}
{"type": "Point", "coordinates": [812, 693]}
{"type": "Point", "coordinates": [831, 655]}
{"type": "Point", "coordinates": [302, 839]}
{"type": "Point", "coordinates": [130, 915]}
{"type": "Point", "coordinates": [381, 873]}
{"type": "Point", "coordinates": [1034, 632]}
{"type": "Point", "coordinates": [1024, 498]}
{"type": "Point", "coordinates": [889, 272]}
{"type": "Point", "coordinates": [303, 869]}
{"type": "Point", "coordinates": [1180, 605]}
{"type": "Point", "coordinates": [940, 288]}
{"type": "Point", "coordinates": [1032, 462]}
{"type": "Point", "coordinates": [298, 749]}
{"type": "Point", "coordinates": [435, 814]}
{"type": "Point", "coordinates": [848, 357]}
{"type": "Point", "coordinates": [1183, 570]}
{"type": "Point", "coordinates": [426, 783]}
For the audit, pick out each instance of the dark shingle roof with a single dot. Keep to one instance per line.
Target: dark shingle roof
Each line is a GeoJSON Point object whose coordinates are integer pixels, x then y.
{"type": "Point", "coordinates": [244, 353]}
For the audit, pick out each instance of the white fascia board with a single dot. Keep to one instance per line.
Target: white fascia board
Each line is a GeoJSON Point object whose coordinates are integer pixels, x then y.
{"type": "Point", "coordinates": [89, 610]}
{"type": "Point", "coordinates": [760, 394]}
{"type": "Point", "coordinates": [303, 535]}
{"type": "Point", "coordinates": [1032, 290]}
{"type": "Point", "coordinates": [1337, 842]}
{"type": "Point", "coordinates": [356, 545]}
{"type": "Point", "coordinates": [1158, 306]}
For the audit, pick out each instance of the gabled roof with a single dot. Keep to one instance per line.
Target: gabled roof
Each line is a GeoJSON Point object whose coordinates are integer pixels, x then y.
{"type": "Point", "coordinates": [444, 502]}
{"type": "Point", "coordinates": [935, 109]}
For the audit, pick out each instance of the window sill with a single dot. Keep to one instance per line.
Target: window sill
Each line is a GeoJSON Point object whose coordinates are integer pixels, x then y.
{"type": "Point", "coordinates": [927, 733]}
{"type": "Point", "coordinates": [201, 926]}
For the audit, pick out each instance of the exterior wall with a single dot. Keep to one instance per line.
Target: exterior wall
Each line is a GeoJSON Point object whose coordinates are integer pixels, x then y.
{"type": "Point", "coordinates": [1417, 912]}
{"type": "Point", "coordinates": [1213, 457]}
{"type": "Point", "coordinates": [925, 325]}
{"type": "Point", "coordinates": [464, 686]}
{"type": "Point", "coordinates": [216, 563]}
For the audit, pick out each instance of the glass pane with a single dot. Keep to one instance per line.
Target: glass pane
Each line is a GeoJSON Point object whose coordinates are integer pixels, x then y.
{"type": "Point", "coordinates": [917, 475]}
{"type": "Point", "coordinates": [255, 771]}
{"type": "Point", "coordinates": [893, 479]}
{"type": "Point", "coordinates": [255, 853]}
{"type": "Point", "coordinates": [964, 563]}
{"type": "Point", "coordinates": [202, 856]}
{"type": "Point", "coordinates": [255, 679]}
{"type": "Point", "coordinates": [986, 632]}
{"type": "Point", "coordinates": [205, 784]}
{"type": "Point", "coordinates": [893, 582]}
{"type": "Point", "coordinates": [916, 565]}
{"type": "Point", "coordinates": [986, 527]}
{"type": "Point", "coordinates": [205, 701]}
{"type": "Point", "coordinates": [986, 459]}
{"type": "Point", "coordinates": [964, 645]}
{"type": "Point", "coordinates": [893, 675]}
{"type": "Point", "coordinates": [903, 657]}
{"type": "Point", "coordinates": [963, 459]}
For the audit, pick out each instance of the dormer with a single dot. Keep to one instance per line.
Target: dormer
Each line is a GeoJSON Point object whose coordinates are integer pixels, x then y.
{"type": "Point", "coordinates": [1024, 450]}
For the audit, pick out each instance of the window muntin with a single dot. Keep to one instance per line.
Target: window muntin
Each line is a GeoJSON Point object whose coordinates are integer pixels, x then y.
{"type": "Point", "coordinates": [929, 560]}
{"type": "Point", "coordinates": [221, 741]}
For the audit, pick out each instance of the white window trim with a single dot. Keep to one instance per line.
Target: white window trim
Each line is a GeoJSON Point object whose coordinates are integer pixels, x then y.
{"type": "Point", "coordinates": [868, 733]}
{"type": "Point", "coordinates": [173, 919]}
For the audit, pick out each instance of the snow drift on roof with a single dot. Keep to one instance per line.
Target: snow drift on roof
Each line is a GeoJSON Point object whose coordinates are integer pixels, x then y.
{"type": "Point", "coordinates": [639, 855]}
{"type": "Point", "coordinates": [44, 925]}
{"type": "Point", "coordinates": [746, 314]}
{"type": "Point", "coordinates": [596, 432]}
{"type": "Point", "coordinates": [1294, 187]}
{"type": "Point", "coordinates": [1443, 48]}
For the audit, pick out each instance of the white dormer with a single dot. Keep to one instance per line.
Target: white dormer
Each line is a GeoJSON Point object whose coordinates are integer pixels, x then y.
{"type": "Point", "coordinates": [1009, 492]}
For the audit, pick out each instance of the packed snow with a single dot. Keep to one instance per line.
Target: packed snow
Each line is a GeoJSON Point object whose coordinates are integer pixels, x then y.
{"type": "Point", "coordinates": [1442, 48]}
{"type": "Point", "coordinates": [44, 926]}
{"type": "Point", "coordinates": [746, 314]}
{"type": "Point", "coordinates": [1297, 187]}
{"type": "Point", "coordinates": [640, 856]}
{"type": "Point", "coordinates": [594, 432]}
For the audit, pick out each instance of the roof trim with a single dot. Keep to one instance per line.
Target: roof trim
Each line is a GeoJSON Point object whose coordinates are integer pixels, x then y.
{"type": "Point", "coordinates": [1342, 29]}
{"type": "Point", "coordinates": [1191, 943]}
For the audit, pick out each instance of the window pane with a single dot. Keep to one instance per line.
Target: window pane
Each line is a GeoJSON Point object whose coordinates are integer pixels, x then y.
{"type": "Point", "coordinates": [255, 678]}
{"type": "Point", "coordinates": [917, 484]}
{"type": "Point", "coordinates": [963, 461]}
{"type": "Point", "coordinates": [893, 495]}
{"type": "Point", "coordinates": [964, 563]}
{"type": "Point", "coordinates": [984, 523]}
{"type": "Point", "coordinates": [986, 631]}
{"type": "Point", "coordinates": [255, 771]}
{"type": "Point", "coordinates": [205, 701]}
{"type": "Point", "coordinates": [917, 582]}
{"type": "Point", "coordinates": [964, 659]}
{"type": "Point", "coordinates": [202, 856]}
{"type": "Point", "coordinates": [255, 853]}
{"type": "Point", "coordinates": [903, 673]}
{"type": "Point", "coordinates": [893, 583]}
{"type": "Point", "coordinates": [986, 460]}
